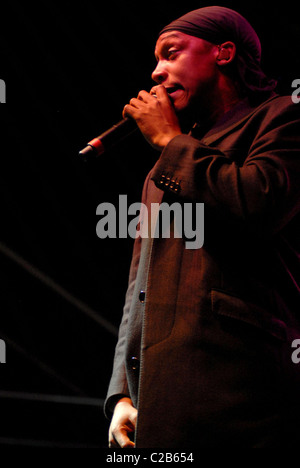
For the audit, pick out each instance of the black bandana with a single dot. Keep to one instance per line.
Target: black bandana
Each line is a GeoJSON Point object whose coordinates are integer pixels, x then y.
{"type": "Point", "coordinates": [217, 25]}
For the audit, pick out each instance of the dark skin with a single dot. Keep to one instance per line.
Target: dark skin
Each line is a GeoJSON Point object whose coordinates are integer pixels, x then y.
{"type": "Point", "coordinates": [191, 86]}
{"type": "Point", "coordinates": [205, 91]}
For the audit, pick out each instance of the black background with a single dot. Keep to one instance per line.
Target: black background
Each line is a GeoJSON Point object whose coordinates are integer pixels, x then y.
{"type": "Point", "coordinates": [69, 68]}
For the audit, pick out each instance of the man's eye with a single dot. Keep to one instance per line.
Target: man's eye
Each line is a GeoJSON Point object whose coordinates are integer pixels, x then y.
{"type": "Point", "coordinates": [172, 53]}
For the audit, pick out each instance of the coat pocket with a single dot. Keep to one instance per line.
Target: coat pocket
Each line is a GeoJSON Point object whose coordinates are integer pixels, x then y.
{"type": "Point", "coordinates": [227, 305]}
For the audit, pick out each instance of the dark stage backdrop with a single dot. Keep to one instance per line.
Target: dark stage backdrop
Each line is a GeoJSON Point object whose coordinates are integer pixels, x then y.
{"type": "Point", "coordinates": [69, 68]}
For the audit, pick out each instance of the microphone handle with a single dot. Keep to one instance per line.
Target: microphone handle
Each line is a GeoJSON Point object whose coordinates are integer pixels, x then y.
{"type": "Point", "coordinates": [109, 138]}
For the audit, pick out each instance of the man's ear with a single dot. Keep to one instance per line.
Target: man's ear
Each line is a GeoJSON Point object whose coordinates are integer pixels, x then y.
{"type": "Point", "coordinates": [226, 53]}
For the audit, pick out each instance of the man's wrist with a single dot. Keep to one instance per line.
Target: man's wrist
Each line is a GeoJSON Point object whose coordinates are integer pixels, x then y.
{"type": "Point", "coordinates": [124, 400]}
{"type": "Point", "coordinates": [166, 140]}
{"type": "Point", "coordinates": [112, 402]}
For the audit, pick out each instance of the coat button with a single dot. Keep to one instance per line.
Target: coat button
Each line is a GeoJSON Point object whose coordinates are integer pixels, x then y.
{"type": "Point", "coordinates": [142, 296]}
{"type": "Point", "coordinates": [134, 363]}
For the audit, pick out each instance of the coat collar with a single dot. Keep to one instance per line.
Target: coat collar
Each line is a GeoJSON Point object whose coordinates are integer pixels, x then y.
{"type": "Point", "coordinates": [232, 119]}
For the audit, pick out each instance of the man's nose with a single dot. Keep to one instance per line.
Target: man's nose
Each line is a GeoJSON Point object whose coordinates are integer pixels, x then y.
{"type": "Point", "coordinates": [160, 74]}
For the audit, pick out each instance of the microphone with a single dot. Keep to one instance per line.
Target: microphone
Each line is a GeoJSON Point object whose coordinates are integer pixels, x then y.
{"type": "Point", "coordinates": [109, 138]}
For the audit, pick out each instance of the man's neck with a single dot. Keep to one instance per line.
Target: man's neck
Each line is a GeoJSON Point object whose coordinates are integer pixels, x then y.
{"type": "Point", "coordinates": [224, 97]}
{"type": "Point", "coordinates": [212, 107]}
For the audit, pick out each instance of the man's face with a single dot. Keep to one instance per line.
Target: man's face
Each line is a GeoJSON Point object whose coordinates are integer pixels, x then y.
{"type": "Point", "coordinates": [186, 67]}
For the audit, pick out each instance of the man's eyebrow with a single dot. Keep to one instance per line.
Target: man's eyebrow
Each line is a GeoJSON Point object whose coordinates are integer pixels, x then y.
{"type": "Point", "coordinates": [172, 34]}
{"type": "Point", "coordinates": [164, 41]}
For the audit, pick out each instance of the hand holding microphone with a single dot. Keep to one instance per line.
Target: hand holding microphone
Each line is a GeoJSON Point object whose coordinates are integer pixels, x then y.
{"type": "Point", "coordinates": [155, 116]}
{"type": "Point", "coordinates": [152, 113]}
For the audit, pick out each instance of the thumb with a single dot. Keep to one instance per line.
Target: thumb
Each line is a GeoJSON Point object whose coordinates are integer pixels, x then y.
{"type": "Point", "coordinates": [123, 439]}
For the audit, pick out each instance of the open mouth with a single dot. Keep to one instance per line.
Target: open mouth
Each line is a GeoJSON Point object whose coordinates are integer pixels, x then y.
{"type": "Point", "coordinates": [173, 89]}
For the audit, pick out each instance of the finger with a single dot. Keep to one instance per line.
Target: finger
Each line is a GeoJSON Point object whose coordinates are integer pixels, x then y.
{"type": "Point", "coordinates": [111, 441]}
{"type": "Point", "coordinates": [153, 90]}
{"type": "Point", "coordinates": [129, 111]}
{"type": "Point", "coordinates": [122, 439]}
{"type": "Point", "coordinates": [144, 96]}
{"type": "Point", "coordinates": [135, 102]}
{"type": "Point", "coordinates": [112, 444]}
{"type": "Point", "coordinates": [161, 93]}
{"type": "Point", "coordinates": [125, 111]}
{"type": "Point", "coordinates": [123, 443]}
{"type": "Point", "coordinates": [133, 418]}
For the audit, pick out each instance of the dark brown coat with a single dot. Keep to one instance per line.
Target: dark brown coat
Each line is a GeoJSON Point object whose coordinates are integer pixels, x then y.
{"type": "Point", "coordinates": [211, 339]}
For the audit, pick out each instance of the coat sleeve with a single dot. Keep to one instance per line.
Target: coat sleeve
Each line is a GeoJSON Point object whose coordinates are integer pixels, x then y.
{"type": "Point", "coordinates": [262, 191]}
{"type": "Point", "coordinates": [118, 386]}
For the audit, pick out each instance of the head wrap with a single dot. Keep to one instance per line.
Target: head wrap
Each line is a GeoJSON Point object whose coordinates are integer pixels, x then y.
{"type": "Point", "coordinates": [219, 24]}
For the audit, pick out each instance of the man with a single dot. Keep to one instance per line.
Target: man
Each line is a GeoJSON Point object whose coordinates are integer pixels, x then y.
{"type": "Point", "coordinates": [205, 344]}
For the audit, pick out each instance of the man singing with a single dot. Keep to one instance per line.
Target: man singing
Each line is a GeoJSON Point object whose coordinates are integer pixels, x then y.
{"type": "Point", "coordinates": [204, 352]}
